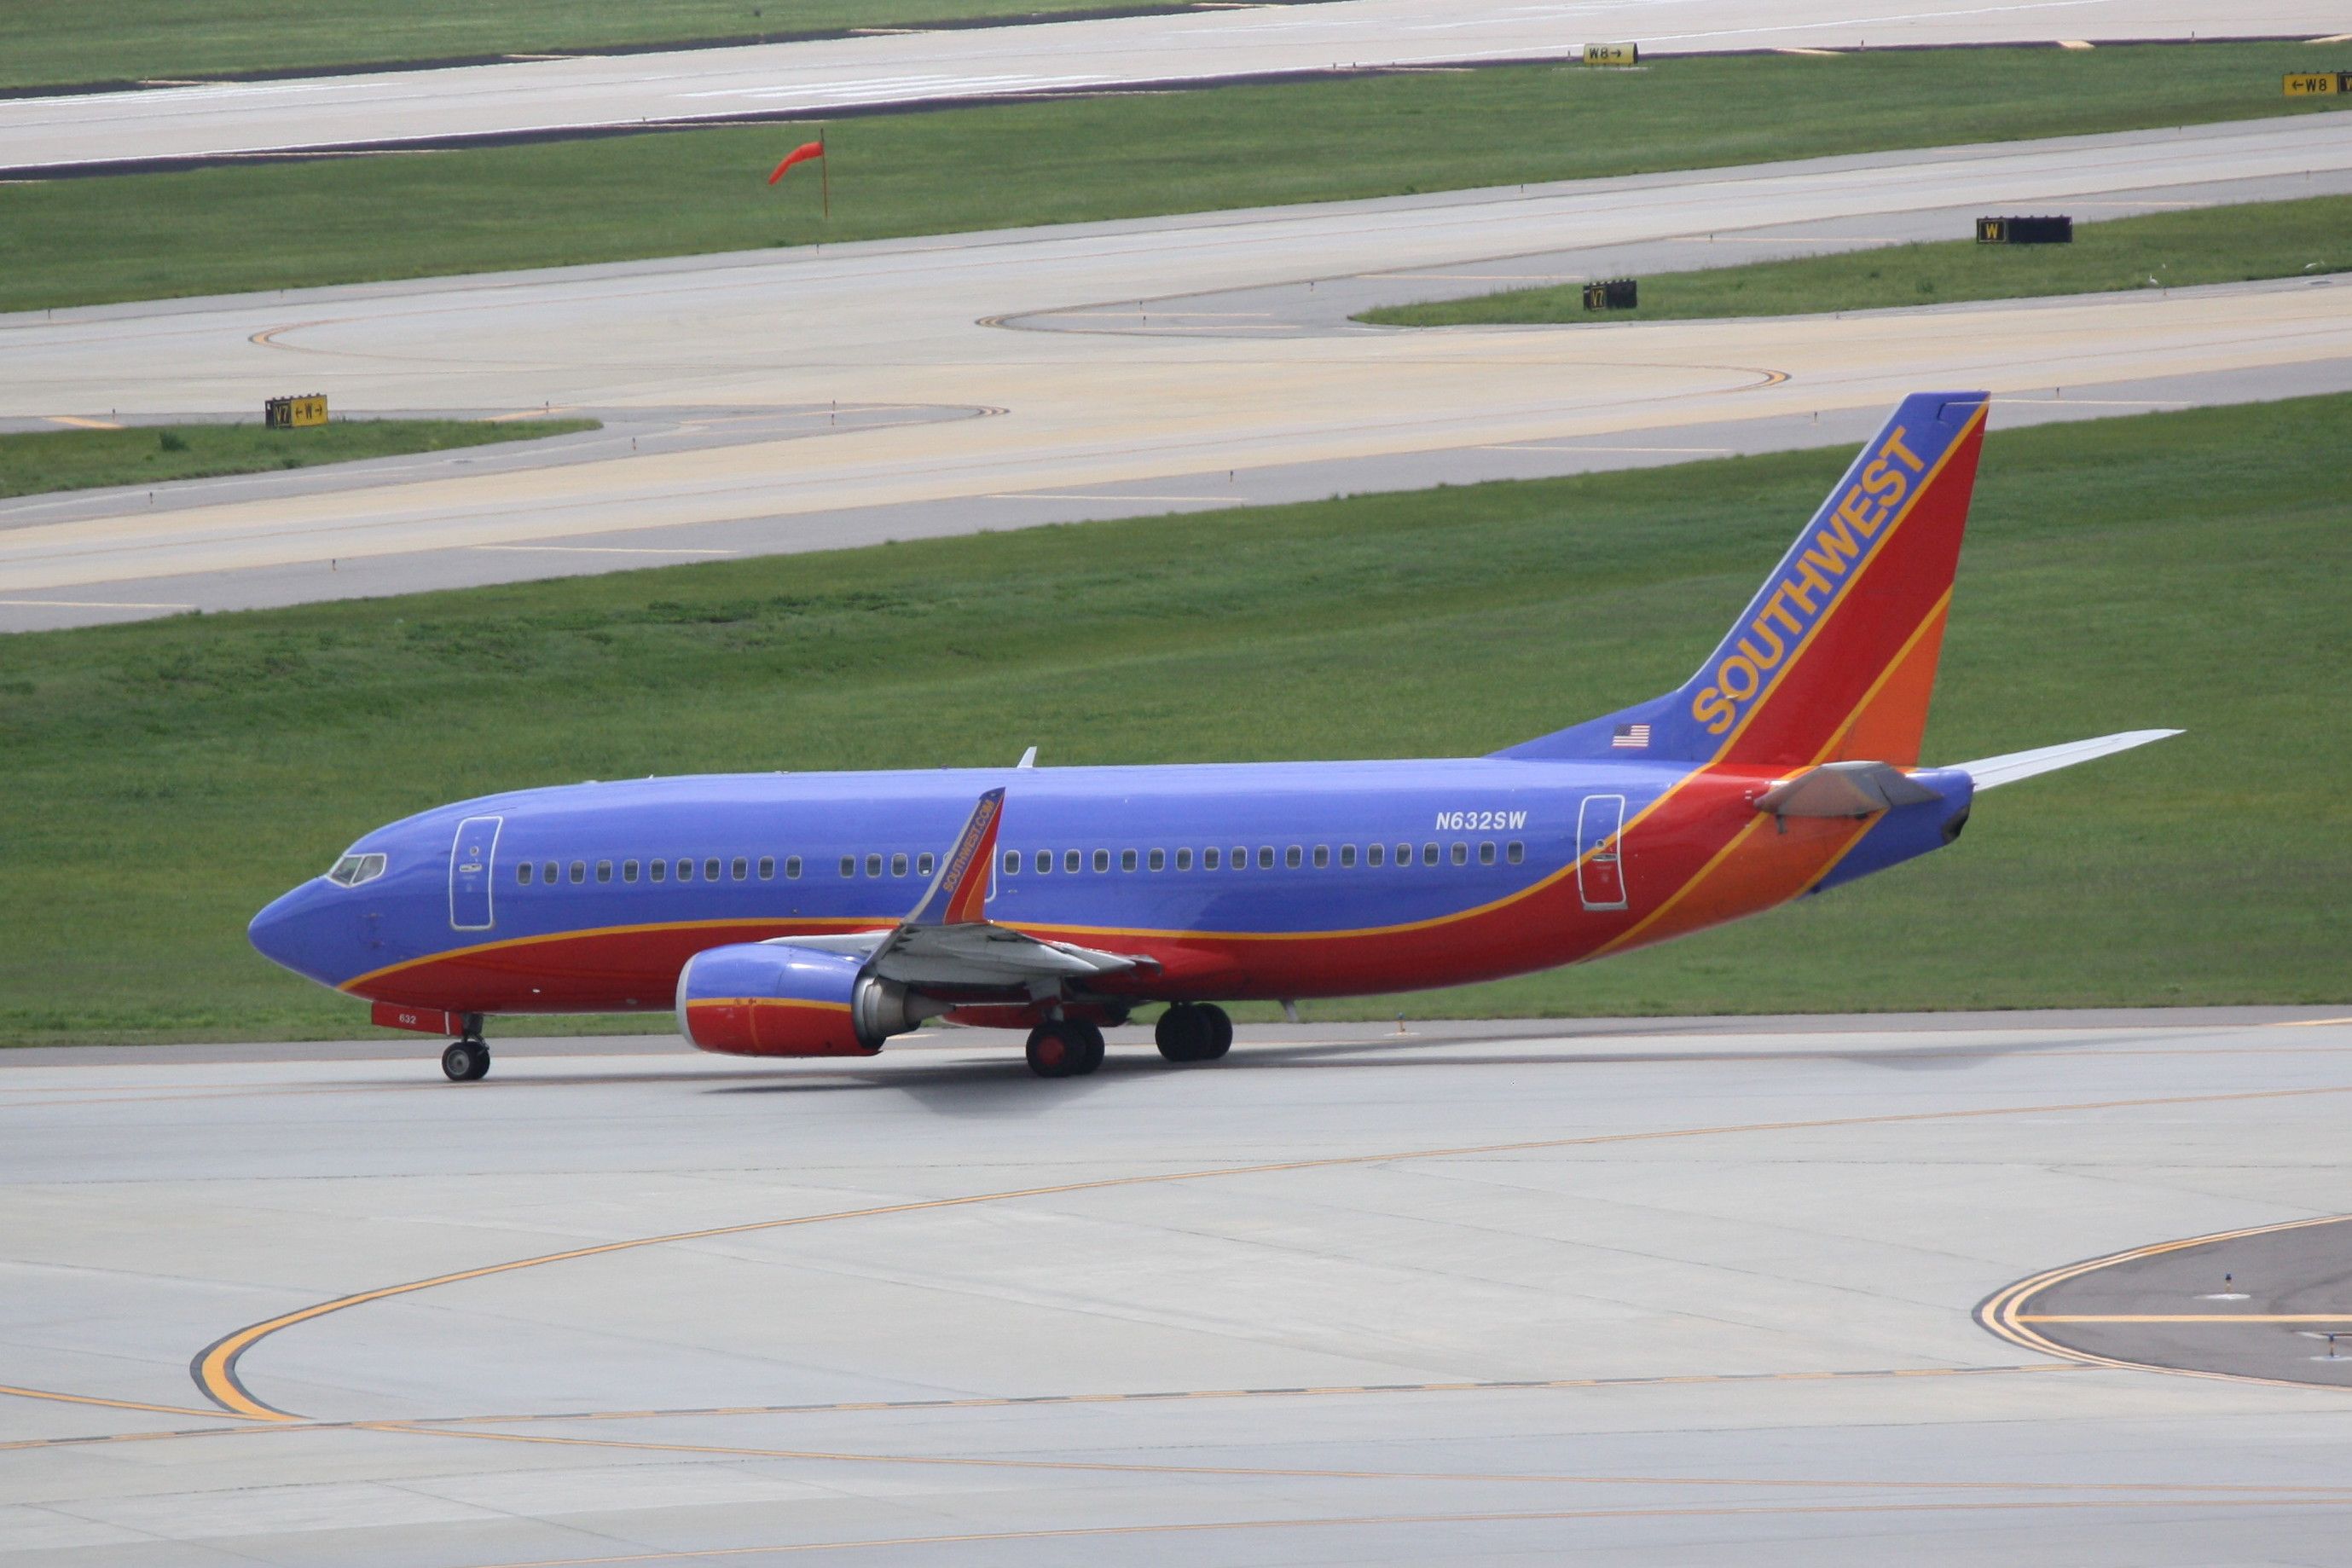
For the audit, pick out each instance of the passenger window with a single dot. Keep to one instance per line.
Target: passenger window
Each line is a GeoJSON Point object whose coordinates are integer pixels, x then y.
{"type": "Point", "coordinates": [1183, 861]}
{"type": "Point", "coordinates": [1291, 857]}
{"type": "Point", "coordinates": [1070, 860]}
{"type": "Point", "coordinates": [686, 871]}
{"type": "Point", "coordinates": [926, 865]}
{"type": "Point", "coordinates": [1518, 852]}
{"type": "Point", "coordinates": [1429, 854]}
{"type": "Point", "coordinates": [1158, 860]}
{"type": "Point", "coordinates": [711, 871]}
{"type": "Point", "coordinates": [1013, 862]}
{"type": "Point", "coordinates": [791, 868]}
{"type": "Point", "coordinates": [1373, 855]}
{"type": "Point", "coordinates": [1102, 860]}
{"type": "Point", "coordinates": [1044, 862]}
{"type": "Point", "coordinates": [849, 865]}
{"type": "Point", "coordinates": [1347, 855]}
{"type": "Point", "coordinates": [1404, 855]}
{"type": "Point", "coordinates": [897, 865]}
{"type": "Point", "coordinates": [580, 870]}
{"type": "Point", "coordinates": [603, 871]}
{"type": "Point", "coordinates": [1461, 853]}
{"type": "Point", "coordinates": [628, 871]}
{"type": "Point", "coordinates": [873, 865]}
{"type": "Point", "coordinates": [658, 869]}
{"type": "Point", "coordinates": [1209, 861]}
{"type": "Point", "coordinates": [1485, 854]}
{"type": "Point", "coordinates": [1241, 857]}
{"type": "Point", "coordinates": [1127, 860]}
{"type": "Point", "coordinates": [1322, 857]}
{"type": "Point", "coordinates": [767, 868]}
{"type": "Point", "coordinates": [740, 869]}
{"type": "Point", "coordinates": [1265, 857]}
{"type": "Point", "coordinates": [548, 873]}
{"type": "Point", "coordinates": [522, 872]}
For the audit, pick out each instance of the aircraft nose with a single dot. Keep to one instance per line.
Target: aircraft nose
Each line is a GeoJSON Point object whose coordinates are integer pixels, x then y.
{"type": "Point", "coordinates": [286, 931]}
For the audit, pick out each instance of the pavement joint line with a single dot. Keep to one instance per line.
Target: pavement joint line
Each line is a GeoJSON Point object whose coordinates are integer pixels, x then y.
{"type": "Point", "coordinates": [1711, 1511]}
{"type": "Point", "coordinates": [2172, 1490]}
{"type": "Point", "coordinates": [214, 1367]}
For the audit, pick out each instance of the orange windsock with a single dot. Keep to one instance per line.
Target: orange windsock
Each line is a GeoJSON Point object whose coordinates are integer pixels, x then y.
{"type": "Point", "coordinates": [801, 154]}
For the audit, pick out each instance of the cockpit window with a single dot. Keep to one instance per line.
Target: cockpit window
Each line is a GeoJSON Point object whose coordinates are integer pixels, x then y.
{"type": "Point", "coordinates": [352, 870]}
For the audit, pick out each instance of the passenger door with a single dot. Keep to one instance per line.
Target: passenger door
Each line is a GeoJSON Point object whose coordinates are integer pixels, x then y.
{"type": "Point", "coordinates": [472, 857]}
{"type": "Point", "coordinates": [1600, 874]}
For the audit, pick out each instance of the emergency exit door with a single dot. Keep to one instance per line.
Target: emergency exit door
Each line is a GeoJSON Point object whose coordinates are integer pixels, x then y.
{"type": "Point", "coordinates": [471, 857]}
{"type": "Point", "coordinates": [1600, 830]}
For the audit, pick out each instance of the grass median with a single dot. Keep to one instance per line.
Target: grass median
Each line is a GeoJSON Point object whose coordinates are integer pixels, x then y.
{"type": "Point", "coordinates": [2303, 238]}
{"type": "Point", "coordinates": [35, 461]}
{"type": "Point", "coordinates": [168, 777]}
{"type": "Point", "coordinates": [45, 43]}
{"type": "Point", "coordinates": [286, 225]}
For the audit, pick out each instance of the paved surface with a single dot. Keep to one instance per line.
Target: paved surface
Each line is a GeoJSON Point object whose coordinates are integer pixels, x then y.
{"type": "Point", "coordinates": [1662, 1291]}
{"type": "Point", "coordinates": [1116, 420]}
{"type": "Point", "coordinates": [2270, 1301]}
{"type": "Point", "coordinates": [847, 75]}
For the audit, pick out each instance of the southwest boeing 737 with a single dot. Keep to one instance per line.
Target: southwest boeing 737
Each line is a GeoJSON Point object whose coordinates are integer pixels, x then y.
{"type": "Point", "coordinates": [817, 915]}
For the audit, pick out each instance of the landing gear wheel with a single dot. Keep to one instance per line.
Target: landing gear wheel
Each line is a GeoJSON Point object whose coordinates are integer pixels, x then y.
{"type": "Point", "coordinates": [466, 1061]}
{"type": "Point", "coordinates": [1065, 1048]}
{"type": "Point", "coordinates": [1193, 1031]}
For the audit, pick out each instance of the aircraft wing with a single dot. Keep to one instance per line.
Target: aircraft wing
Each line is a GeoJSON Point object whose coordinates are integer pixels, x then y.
{"type": "Point", "coordinates": [948, 940]}
{"type": "Point", "coordinates": [1991, 772]}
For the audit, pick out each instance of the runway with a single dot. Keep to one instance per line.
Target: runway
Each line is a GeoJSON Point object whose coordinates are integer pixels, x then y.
{"type": "Point", "coordinates": [1688, 1291]}
{"type": "Point", "coordinates": [1122, 416]}
{"type": "Point", "coordinates": [845, 75]}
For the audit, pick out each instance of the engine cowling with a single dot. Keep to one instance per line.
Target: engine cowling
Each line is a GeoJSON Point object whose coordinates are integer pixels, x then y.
{"type": "Point", "coordinates": [772, 998]}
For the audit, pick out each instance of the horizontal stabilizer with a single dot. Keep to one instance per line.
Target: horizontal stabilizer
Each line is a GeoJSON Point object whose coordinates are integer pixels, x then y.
{"type": "Point", "coordinates": [1992, 772]}
{"type": "Point", "coordinates": [1844, 789]}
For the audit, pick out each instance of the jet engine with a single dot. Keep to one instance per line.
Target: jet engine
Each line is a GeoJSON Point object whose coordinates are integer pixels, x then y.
{"type": "Point", "coordinates": [772, 998]}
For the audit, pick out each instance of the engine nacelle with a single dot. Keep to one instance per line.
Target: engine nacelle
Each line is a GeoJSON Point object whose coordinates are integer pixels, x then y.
{"type": "Point", "coordinates": [772, 998]}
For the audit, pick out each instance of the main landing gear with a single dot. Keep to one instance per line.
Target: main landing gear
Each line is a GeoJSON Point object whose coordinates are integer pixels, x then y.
{"type": "Point", "coordinates": [467, 1060]}
{"type": "Point", "coordinates": [1064, 1047]}
{"type": "Point", "coordinates": [1193, 1031]}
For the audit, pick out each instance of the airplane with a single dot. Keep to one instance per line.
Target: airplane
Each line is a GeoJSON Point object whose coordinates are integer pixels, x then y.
{"type": "Point", "coordinates": [818, 915]}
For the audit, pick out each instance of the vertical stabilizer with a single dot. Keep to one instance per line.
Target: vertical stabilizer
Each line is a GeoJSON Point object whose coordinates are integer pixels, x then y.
{"type": "Point", "coordinates": [1834, 657]}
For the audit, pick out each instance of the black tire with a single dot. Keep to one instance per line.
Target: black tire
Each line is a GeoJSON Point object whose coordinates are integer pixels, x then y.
{"type": "Point", "coordinates": [1221, 1040]}
{"type": "Point", "coordinates": [1183, 1032]}
{"type": "Point", "coordinates": [466, 1061]}
{"type": "Point", "coordinates": [1089, 1048]}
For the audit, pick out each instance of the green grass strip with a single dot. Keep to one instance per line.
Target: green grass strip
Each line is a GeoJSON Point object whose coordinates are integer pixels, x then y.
{"type": "Point", "coordinates": [2167, 250]}
{"type": "Point", "coordinates": [167, 777]}
{"type": "Point", "coordinates": [47, 43]}
{"type": "Point", "coordinates": [36, 461]}
{"type": "Point", "coordinates": [682, 192]}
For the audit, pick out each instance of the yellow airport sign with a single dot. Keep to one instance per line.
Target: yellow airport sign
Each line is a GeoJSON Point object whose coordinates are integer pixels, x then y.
{"type": "Point", "coordinates": [1612, 53]}
{"type": "Point", "coordinates": [296, 413]}
{"type": "Point", "coordinates": [2315, 84]}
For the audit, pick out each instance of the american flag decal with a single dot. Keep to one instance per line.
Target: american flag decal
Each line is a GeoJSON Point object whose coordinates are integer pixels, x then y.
{"type": "Point", "coordinates": [1631, 736]}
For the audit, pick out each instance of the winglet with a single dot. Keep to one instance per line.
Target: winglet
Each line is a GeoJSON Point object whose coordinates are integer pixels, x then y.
{"type": "Point", "coordinates": [959, 894]}
{"type": "Point", "coordinates": [1991, 772]}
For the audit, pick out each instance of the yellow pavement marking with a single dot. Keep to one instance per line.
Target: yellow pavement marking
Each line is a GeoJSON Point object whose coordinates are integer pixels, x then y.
{"type": "Point", "coordinates": [2308, 1023]}
{"type": "Point", "coordinates": [2184, 1318]}
{"type": "Point", "coordinates": [79, 423]}
{"type": "Point", "coordinates": [118, 1404]}
{"type": "Point", "coordinates": [215, 1368]}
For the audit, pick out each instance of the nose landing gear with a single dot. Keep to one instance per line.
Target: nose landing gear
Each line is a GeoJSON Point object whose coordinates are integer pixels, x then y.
{"type": "Point", "coordinates": [467, 1060]}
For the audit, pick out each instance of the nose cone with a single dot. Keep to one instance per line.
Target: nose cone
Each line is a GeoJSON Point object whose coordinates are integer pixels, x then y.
{"type": "Point", "coordinates": [293, 931]}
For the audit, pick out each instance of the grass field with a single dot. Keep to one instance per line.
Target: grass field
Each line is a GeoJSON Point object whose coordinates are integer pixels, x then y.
{"type": "Point", "coordinates": [67, 42]}
{"type": "Point", "coordinates": [33, 461]}
{"type": "Point", "coordinates": [168, 777]}
{"type": "Point", "coordinates": [681, 193]}
{"type": "Point", "coordinates": [2171, 250]}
